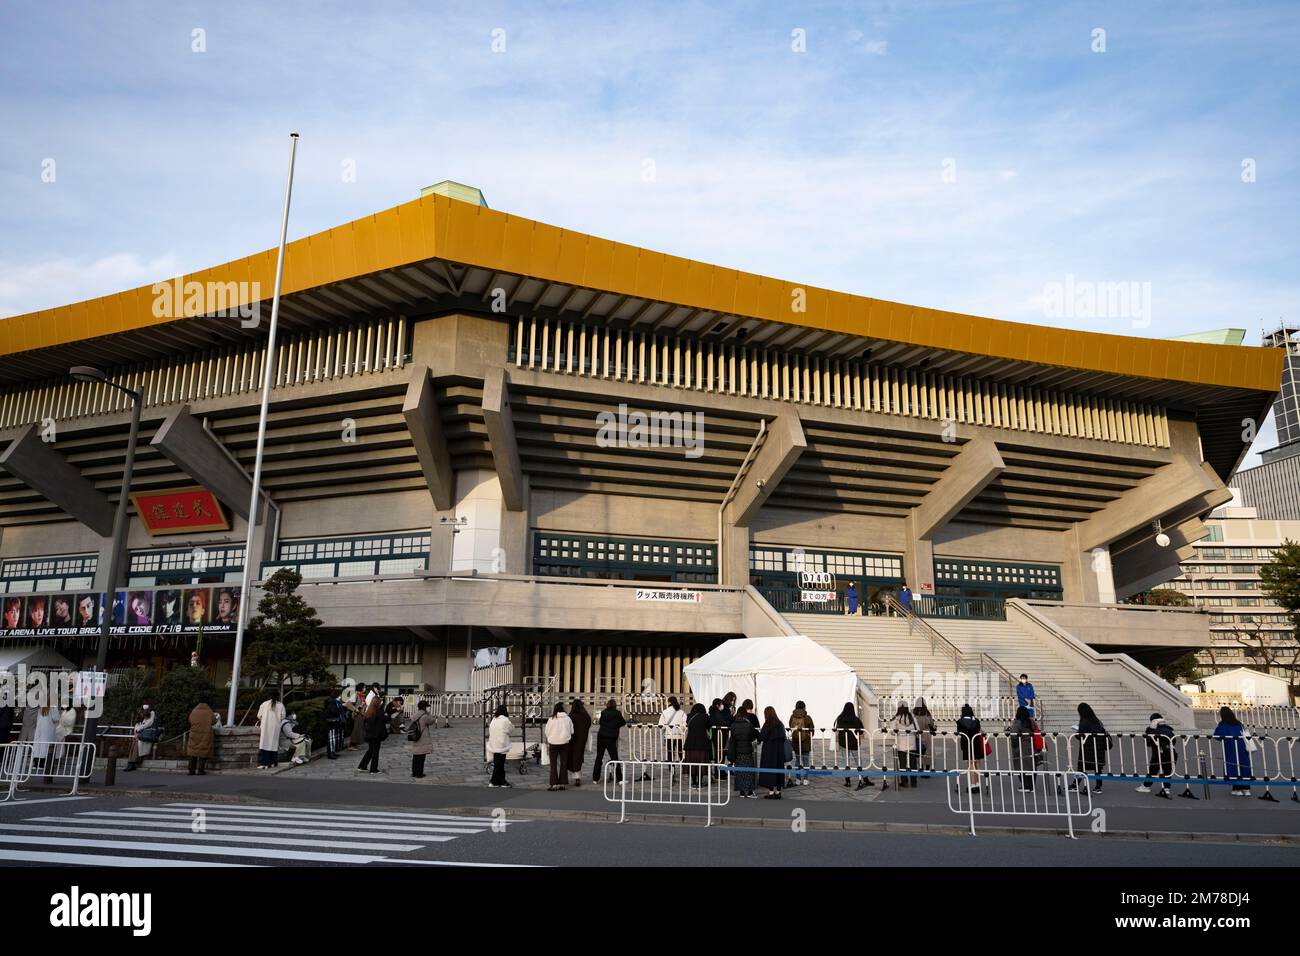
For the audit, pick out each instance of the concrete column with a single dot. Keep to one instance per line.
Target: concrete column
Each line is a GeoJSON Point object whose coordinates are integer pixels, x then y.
{"type": "Point", "coordinates": [734, 560]}
{"type": "Point", "coordinates": [478, 499]}
{"type": "Point", "coordinates": [918, 559]}
{"type": "Point", "coordinates": [1101, 569]}
{"type": "Point", "coordinates": [516, 541]}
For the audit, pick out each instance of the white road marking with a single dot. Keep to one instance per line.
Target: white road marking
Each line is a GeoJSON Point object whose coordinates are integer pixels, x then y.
{"type": "Point", "coordinates": [384, 814]}
{"type": "Point", "coordinates": [237, 827]}
{"type": "Point", "coordinates": [215, 837]}
{"type": "Point", "coordinates": [305, 856]}
{"type": "Point", "coordinates": [91, 859]}
{"type": "Point", "coordinates": [529, 866]}
{"type": "Point", "coordinates": [283, 824]}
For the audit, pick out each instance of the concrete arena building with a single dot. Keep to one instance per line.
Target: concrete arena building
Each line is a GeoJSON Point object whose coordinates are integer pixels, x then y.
{"type": "Point", "coordinates": [603, 417]}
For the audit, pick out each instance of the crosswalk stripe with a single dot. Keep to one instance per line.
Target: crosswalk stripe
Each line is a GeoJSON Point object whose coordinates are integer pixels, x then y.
{"type": "Point", "coordinates": [237, 827]}
{"type": "Point", "coordinates": [528, 866]}
{"type": "Point", "coordinates": [215, 837]}
{"type": "Point", "coordinates": [383, 814]}
{"type": "Point", "coordinates": [91, 859]}
{"type": "Point", "coordinates": [183, 848]}
{"type": "Point", "coordinates": [281, 823]}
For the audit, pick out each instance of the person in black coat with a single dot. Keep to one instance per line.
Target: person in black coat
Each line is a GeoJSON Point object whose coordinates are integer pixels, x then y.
{"type": "Point", "coordinates": [1161, 754]}
{"type": "Point", "coordinates": [611, 721]}
{"type": "Point", "coordinates": [970, 736]}
{"type": "Point", "coordinates": [740, 752]}
{"type": "Point", "coordinates": [6, 723]}
{"type": "Point", "coordinates": [772, 736]}
{"type": "Point", "coordinates": [719, 722]}
{"type": "Point", "coordinates": [1094, 745]}
{"type": "Point", "coordinates": [376, 730]}
{"type": "Point", "coordinates": [698, 748]}
{"type": "Point", "coordinates": [849, 738]}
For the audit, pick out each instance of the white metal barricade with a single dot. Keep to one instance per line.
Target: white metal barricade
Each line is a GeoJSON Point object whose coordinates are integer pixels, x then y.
{"type": "Point", "coordinates": [15, 767]}
{"type": "Point", "coordinates": [666, 783]}
{"type": "Point", "coordinates": [1020, 793]}
{"type": "Point", "coordinates": [65, 761]}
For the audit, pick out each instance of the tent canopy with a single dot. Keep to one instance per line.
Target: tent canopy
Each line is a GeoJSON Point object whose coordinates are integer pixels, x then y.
{"type": "Point", "coordinates": [776, 672]}
{"type": "Point", "coordinates": [33, 656]}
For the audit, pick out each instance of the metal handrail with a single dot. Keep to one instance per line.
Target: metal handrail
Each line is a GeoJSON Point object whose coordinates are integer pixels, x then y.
{"type": "Point", "coordinates": [961, 660]}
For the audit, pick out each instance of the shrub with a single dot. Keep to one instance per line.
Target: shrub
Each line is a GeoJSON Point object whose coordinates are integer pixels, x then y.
{"type": "Point", "coordinates": [181, 689]}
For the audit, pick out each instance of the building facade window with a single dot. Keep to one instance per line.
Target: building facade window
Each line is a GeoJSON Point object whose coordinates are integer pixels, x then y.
{"type": "Point", "coordinates": [562, 554]}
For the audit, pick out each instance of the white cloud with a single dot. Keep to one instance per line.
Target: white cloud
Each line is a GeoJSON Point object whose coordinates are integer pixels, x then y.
{"type": "Point", "coordinates": [40, 285]}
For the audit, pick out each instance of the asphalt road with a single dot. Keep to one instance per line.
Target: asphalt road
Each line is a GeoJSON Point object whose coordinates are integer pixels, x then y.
{"type": "Point", "coordinates": [136, 832]}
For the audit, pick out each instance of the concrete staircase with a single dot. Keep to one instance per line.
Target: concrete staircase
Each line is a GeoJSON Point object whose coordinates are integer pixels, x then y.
{"type": "Point", "coordinates": [878, 648]}
{"type": "Point", "coordinates": [1059, 682]}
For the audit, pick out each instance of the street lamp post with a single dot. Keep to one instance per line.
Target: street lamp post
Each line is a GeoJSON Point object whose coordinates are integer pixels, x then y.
{"type": "Point", "coordinates": [116, 561]}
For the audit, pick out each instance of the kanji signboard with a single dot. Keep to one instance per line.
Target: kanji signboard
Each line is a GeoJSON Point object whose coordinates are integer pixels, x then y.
{"type": "Point", "coordinates": [180, 511]}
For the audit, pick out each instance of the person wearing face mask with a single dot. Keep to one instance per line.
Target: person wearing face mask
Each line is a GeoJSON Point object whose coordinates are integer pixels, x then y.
{"type": "Point", "coordinates": [141, 749]}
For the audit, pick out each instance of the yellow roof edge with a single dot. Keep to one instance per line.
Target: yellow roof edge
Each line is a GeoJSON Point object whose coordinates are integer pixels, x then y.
{"type": "Point", "coordinates": [436, 227]}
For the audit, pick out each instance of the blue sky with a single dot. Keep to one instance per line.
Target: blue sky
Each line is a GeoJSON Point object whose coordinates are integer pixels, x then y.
{"type": "Point", "coordinates": [822, 166]}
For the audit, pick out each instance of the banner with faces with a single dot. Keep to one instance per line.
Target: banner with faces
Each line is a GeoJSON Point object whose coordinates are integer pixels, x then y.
{"type": "Point", "coordinates": [183, 609]}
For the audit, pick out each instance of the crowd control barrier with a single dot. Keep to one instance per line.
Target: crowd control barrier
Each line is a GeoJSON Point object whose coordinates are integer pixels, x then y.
{"type": "Point", "coordinates": [15, 767]}
{"type": "Point", "coordinates": [664, 783]}
{"type": "Point", "coordinates": [1019, 793]}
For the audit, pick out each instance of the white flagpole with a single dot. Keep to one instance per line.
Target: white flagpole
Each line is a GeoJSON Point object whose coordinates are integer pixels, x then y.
{"type": "Point", "coordinates": [261, 442]}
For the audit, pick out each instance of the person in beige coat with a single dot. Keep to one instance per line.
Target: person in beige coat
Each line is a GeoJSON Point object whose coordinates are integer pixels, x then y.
{"type": "Point", "coordinates": [422, 745]}
{"type": "Point", "coordinates": [201, 742]}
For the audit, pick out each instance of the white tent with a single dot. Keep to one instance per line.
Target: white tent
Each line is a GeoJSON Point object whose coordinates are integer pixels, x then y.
{"type": "Point", "coordinates": [776, 672]}
{"type": "Point", "coordinates": [33, 657]}
{"type": "Point", "coordinates": [1255, 687]}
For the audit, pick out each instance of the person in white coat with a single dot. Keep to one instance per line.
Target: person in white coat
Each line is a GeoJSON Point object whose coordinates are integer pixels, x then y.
{"type": "Point", "coordinates": [673, 723]}
{"type": "Point", "coordinates": [141, 749]}
{"type": "Point", "coordinates": [269, 717]}
{"type": "Point", "coordinates": [45, 737]}
{"type": "Point", "coordinates": [499, 732]}
{"type": "Point", "coordinates": [559, 731]}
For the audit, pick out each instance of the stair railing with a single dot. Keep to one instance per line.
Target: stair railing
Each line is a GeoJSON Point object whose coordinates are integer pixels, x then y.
{"type": "Point", "coordinates": [960, 659]}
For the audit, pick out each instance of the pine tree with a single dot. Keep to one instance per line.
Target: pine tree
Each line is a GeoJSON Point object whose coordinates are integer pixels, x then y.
{"type": "Point", "coordinates": [284, 641]}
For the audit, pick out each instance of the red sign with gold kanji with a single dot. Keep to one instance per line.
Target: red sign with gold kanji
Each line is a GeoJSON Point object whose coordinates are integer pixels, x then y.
{"type": "Point", "coordinates": [180, 511]}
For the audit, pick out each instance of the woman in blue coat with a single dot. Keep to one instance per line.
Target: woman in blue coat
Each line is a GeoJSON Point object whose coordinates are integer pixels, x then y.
{"type": "Point", "coordinates": [851, 598]}
{"type": "Point", "coordinates": [1236, 755]}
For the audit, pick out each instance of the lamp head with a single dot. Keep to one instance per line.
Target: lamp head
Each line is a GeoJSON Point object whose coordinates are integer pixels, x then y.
{"type": "Point", "coordinates": [87, 373]}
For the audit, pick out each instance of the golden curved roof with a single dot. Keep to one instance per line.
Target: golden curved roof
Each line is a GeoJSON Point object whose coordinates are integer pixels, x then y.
{"type": "Point", "coordinates": [435, 227]}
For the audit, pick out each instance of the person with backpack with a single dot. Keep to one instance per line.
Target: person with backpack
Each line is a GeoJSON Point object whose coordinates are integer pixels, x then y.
{"type": "Point", "coordinates": [1094, 745]}
{"type": "Point", "coordinates": [374, 729]}
{"type": "Point", "coordinates": [578, 745]}
{"type": "Point", "coordinates": [904, 729]}
{"type": "Point", "coordinates": [270, 714]}
{"type": "Point", "coordinates": [970, 736]}
{"type": "Point", "coordinates": [420, 735]}
{"type": "Point", "coordinates": [1159, 737]}
{"type": "Point", "coordinates": [926, 728]}
{"type": "Point", "coordinates": [559, 732]}
{"type": "Point", "coordinates": [1236, 751]}
{"type": "Point", "coordinates": [801, 734]}
{"type": "Point", "coordinates": [699, 747]}
{"type": "Point", "coordinates": [848, 737]}
{"type": "Point", "coordinates": [1020, 738]}
{"type": "Point", "coordinates": [611, 721]}
{"type": "Point", "coordinates": [773, 754]}
{"type": "Point", "coordinates": [336, 719]}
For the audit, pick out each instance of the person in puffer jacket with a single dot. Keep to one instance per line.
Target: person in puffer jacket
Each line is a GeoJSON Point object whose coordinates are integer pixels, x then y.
{"type": "Point", "coordinates": [740, 752]}
{"type": "Point", "coordinates": [559, 731]}
{"type": "Point", "coordinates": [499, 732]}
{"type": "Point", "coordinates": [971, 738]}
{"type": "Point", "coordinates": [801, 734]}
